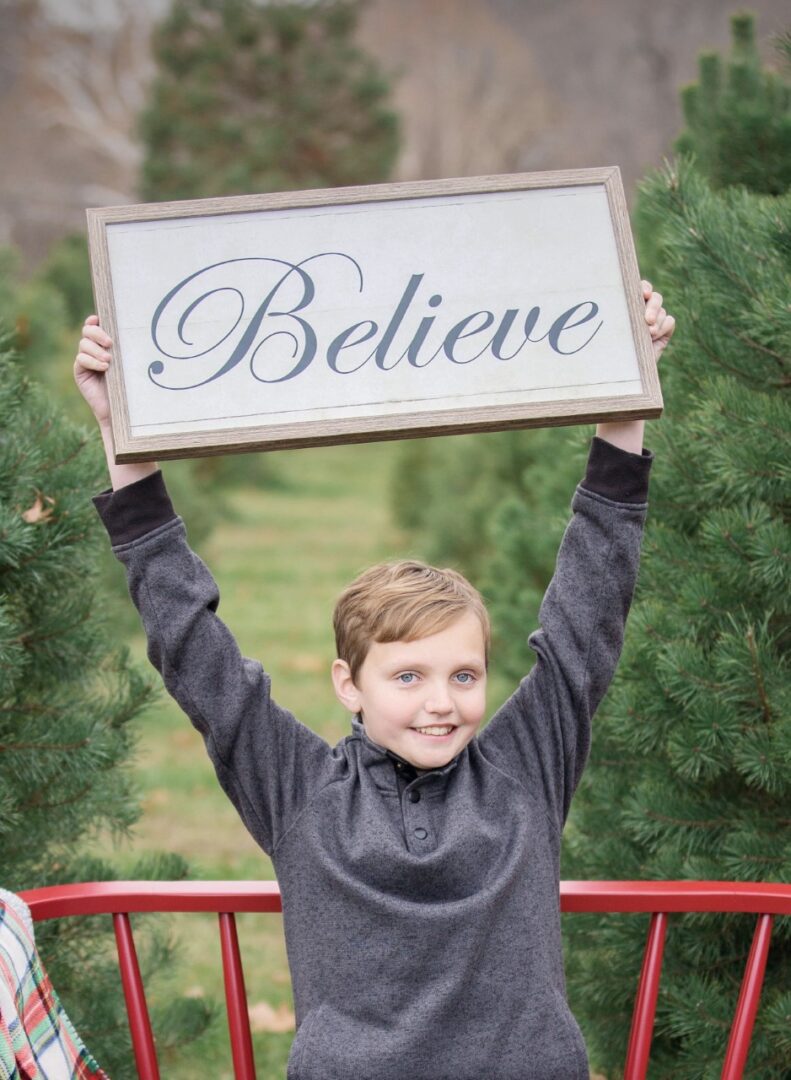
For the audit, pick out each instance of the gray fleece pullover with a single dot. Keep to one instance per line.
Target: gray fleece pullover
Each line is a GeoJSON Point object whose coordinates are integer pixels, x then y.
{"type": "Point", "coordinates": [420, 909]}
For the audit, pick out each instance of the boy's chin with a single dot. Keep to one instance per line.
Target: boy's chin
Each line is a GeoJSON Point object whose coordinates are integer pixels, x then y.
{"type": "Point", "coordinates": [430, 757]}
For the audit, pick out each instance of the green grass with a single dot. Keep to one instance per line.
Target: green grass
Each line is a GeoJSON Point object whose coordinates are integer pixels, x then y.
{"type": "Point", "coordinates": [280, 561]}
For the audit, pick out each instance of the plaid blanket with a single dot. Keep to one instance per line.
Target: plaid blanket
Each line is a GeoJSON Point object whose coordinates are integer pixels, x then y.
{"type": "Point", "coordinates": [37, 1039]}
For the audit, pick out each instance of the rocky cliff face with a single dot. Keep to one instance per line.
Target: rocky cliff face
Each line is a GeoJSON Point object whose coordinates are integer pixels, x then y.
{"type": "Point", "coordinates": [512, 85]}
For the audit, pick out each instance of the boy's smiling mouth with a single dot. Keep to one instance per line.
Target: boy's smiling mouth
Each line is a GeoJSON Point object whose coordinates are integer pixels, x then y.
{"type": "Point", "coordinates": [436, 731]}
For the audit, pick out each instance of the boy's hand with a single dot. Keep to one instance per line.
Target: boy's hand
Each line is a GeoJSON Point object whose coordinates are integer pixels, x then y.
{"type": "Point", "coordinates": [659, 322]}
{"type": "Point", "coordinates": [628, 434]}
{"type": "Point", "coordinates": [90, 370]}
{"type": "Point", "coordinates": [90, 367]}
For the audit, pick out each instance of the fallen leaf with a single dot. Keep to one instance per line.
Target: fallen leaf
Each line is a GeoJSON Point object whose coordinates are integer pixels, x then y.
{"type": "Point", "coordinates": [38, 511]}
{"type": "Point", "coordinates": [264, 1018]}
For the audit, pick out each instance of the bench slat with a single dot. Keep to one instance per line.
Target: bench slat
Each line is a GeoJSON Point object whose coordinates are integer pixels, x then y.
{"type": "Point", "coordinates": [747, 1005]}
{"type": "Point", "coordinates": [136, 1008]}
{"type": "Point", "coordinates": [236, 1000]}
{"type": "Point", "coordinates": [642, 1031]}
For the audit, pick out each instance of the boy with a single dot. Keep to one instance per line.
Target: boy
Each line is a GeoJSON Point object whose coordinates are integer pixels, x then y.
{"type": "Point", "coordinates": [418, 862]}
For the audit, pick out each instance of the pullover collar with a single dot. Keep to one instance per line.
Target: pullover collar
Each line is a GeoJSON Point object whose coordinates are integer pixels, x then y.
{"type": "Point", "coordinates": [385, 765]}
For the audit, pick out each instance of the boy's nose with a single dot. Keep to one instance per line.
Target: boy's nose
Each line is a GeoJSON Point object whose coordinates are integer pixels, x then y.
{"type": "Point", "coordinates": [439, 703]}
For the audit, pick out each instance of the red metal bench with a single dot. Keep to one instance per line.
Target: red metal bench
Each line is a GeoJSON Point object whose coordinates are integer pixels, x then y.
{"type": "Point", "coordinates": [659, 899]}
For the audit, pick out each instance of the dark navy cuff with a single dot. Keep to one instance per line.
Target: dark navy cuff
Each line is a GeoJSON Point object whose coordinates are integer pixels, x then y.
{"type": "Point", "coordinates": [617, 474]}
{"type": "Point", "coordinates": [134, 510]}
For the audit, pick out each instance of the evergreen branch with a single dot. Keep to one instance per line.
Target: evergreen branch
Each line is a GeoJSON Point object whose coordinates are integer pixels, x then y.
{"type": "Point", "coordinates": [771, 860]}
{"type": "Point", "coordinates": [36, 802]}
{"type": "Point", "coordinates": [717, 360]}
{"type": "Point", "coordinates": [713, 823]}
{"type": "Point", "coordinates": [727, 535]}
{"type": "Point", "coordinates": [779, 433]}
{"type": "Point", "coordinates": [758, 674]}
{"type": "Point", "coordinates": [725, 965]}
{"type": "Point", "coordinates": [701, 681]}
{"type": "Point", "coordinates": [741, 284]}
{"type": "Point", "coordinates": [34, 555]}
{"type": "Point", "coordinates": [654, 633]}
{"type": "Point", "coordinates": [701, 1013]}
{"type": "Point", "coordinates": [679, 563]}
{"type": "Point", "coordinates": [35, 710]}
{"type": "Point", "coordinates": [4, 747]}
{"type": "Point", "coordinates": [781, 360]}
{"type": "Point", "coordinates": [57, 464]}
{"type": "Point", "coordinates": [682, 463]}
{"type": "Point", "coordinates": [26, 640]}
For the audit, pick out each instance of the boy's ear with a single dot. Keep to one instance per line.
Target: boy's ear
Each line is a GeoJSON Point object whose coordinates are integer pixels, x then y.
{"type": "Point", "coordinates": [345, 690]}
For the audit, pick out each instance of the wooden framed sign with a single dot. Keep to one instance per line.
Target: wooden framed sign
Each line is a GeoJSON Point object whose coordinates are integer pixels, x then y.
{"type": "Point", "coordinates": [378, 312]}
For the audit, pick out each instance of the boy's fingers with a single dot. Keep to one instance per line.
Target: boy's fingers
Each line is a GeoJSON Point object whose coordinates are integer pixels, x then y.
{"type": "Point", "coordinates": [92, 356]}
{"type": "Point", "coordinates": [648, 288]}
{"type": "Point", "coordinates": [657, 326]}
{"type": "Point", "coordinates": [95, 333]}
{"type": "Point", "coordinates": [92, 348]}
{"type": "Point", "coordinates": [663, 331]}
{"type": "Point", "coordinates": [653, 307]}
{"type": "Point", "coordinates": [91, 363]}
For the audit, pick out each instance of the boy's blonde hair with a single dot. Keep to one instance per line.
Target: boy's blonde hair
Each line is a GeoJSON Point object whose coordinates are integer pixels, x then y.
{"type": "Point", "coordinates": [402, 601]}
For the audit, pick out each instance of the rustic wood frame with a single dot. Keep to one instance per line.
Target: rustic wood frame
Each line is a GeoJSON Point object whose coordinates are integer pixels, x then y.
{"type": "Point", "coordinates": [129, 448]}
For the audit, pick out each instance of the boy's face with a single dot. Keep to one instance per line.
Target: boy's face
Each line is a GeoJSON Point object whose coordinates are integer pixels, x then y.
{"type": "Point", "coordinates": [422, 699]}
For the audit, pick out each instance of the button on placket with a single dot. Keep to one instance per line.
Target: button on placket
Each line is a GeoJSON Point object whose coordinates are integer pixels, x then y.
{"type": "Point", "coordinates": [417, 830]}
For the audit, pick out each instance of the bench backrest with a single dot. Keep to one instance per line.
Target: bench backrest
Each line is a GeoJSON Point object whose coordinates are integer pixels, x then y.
{"type": "Point", "coordinates": [655, 898]}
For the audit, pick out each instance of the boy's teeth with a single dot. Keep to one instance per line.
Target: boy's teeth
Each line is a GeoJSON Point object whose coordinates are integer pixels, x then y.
{"type": "Point", "coordinates": [436, 730]}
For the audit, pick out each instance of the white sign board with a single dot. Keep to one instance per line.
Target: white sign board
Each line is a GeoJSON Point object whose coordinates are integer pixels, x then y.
{"type": "Point", "coordinates": [376, 312]}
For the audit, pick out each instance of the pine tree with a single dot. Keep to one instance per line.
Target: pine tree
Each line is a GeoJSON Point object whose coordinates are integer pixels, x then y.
{"type": "Point", "coordinates": [67, 705]}
{"type": "Point", "coordinates": [701, 790]}
{"type": "Point", "coordinates": [738, 117]}
{"type": "Point", "coordinates": [738, 125]}
{"type": "Point", "coordinates": [689, 776]}
{"type": "Point", "coordinates": [689, 773]}
{"type": "Point", "coordinates": [263, 97]}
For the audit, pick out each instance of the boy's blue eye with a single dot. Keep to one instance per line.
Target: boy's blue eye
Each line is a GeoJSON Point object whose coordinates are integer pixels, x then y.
{"type": "Point", "coordinates": [465, 677]}
{"type": "Point", "coordinates": [406, 677]}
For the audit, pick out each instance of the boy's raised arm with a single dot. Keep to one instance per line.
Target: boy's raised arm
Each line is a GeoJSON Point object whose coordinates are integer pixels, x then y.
{"type": "Point", "coordinates": [267, 762]}
{"type": "Point", "coordinates": [541, 736]}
